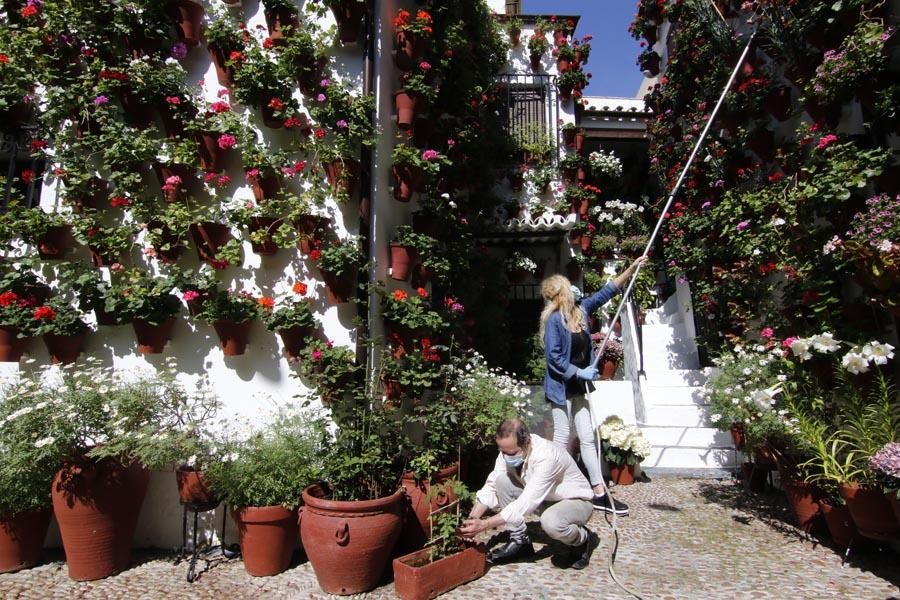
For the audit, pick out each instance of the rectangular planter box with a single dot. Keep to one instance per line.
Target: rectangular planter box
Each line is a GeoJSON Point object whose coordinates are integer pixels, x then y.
{"type": "Point", "coordinates": [430, 580]}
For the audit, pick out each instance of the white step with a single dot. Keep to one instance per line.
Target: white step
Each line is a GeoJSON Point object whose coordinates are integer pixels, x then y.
{"type": "Point", "coordinates": [664, 377]}
{"type": "Point", "coordinates": [690, 458]}
{"type": "Point", "coordinates": [657, 395]}
{"type": "Point", "coordinates": [679, 415]}
{"type": "Point", "coordinates": [660, 359]}
{"type": "Point", "coordinates": [691, 437]}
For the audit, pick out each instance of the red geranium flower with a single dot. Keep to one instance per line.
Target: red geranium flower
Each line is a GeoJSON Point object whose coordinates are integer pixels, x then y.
{"type": "Point", "coordinates": [44, 312]}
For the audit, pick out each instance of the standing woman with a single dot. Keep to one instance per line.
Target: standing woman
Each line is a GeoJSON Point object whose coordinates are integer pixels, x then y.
{"type": "Point", "coordinates": [569, 354]}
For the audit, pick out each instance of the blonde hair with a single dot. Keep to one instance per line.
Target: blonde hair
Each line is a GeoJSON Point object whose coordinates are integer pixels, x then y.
{"type": "Point", "coordinates": [558, 296]}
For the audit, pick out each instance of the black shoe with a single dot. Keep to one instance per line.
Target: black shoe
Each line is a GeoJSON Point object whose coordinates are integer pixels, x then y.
{"type": "Point", "coordinates": [603, 503]}
{"type": "Point", "coordinates": [585, 550]}
{"type": "Point", "coordinates": [511, 551]}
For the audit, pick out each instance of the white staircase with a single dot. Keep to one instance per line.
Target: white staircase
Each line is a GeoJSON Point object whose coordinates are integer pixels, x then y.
{"type": "Point", "coordinates": [674, 417]}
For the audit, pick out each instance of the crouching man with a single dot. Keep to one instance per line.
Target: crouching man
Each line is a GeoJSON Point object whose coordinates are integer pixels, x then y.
{"type": "Point", "coordinates": [530, 472]}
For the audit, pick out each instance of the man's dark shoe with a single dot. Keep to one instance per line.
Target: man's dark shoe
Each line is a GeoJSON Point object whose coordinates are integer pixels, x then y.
{"type": "Point", "coordinates": [603, 503]}
{"type": "Point", "coordinates": [511, 551]}
{"type": "Point", "coordinates": [585, 550]}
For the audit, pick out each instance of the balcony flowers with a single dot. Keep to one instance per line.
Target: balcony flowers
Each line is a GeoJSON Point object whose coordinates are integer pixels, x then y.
{"type": "Point", "coordinates": [537, 46]}
{"type": "Point", "coordinates": [606, 164]}
{"type": "Point", "coordinates": [418, 24]}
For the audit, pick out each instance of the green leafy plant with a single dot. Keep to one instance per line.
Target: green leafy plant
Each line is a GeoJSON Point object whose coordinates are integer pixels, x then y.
{"type": "Point", "coordinates": [328, 368]}
{"type": "Point", "coordinates": [340, 257]}
{"type": "Point", "coordinates": [57, 317]}
{"type": "Point", "coordinates": [136, 293]}
{"type": "Point", "coordinates": [259, 77]}
{"type": "Point", "coordinates": [538, 44]}
{"type": "Point", "coordinates": [411, 311]}
{"type": "Point", "coordinates": [291, 311]}
{"type": "Point", "coordinates": [231, 305]}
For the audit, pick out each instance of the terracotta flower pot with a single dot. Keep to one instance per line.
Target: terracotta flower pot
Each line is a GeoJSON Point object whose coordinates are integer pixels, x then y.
{"type": "Point", "coordinates": [348, 14]}
{"type": "Point", "coordinates": [401, 259]}
{"type": "Point", "coordinates": [309, 228]}
{"type": "Point", "coordinates": [778, 102]}
{"type": "Point", "coordinates": [11, 345]}
{"type": "Point", "coordinates": [839, 523]}
{"type": "Point", "coordinates": [224, 73]}
{"type": "Point", "coordinates": [407, 108]}
{"type": "Point", "coordinates": [804, 505]}
{"type": "Point", "coordinates": [212, 157]}
{"type": "Point", "coordinates": [416, 578]}
{"type": "Point", "coordinates": [22, 539]}
{"type": "Point", "coordinates": [737, 435]}
{"type": "Point", "coordinates": [422, 497]}
{"type": "Point", "coordinates": [194, 490]}
{"type": "Point", "coordinates": [277, 19]}
{"type": "Point", "coordinates": [64, 349]}
{"type": "Point", "coordinates": [621, 474]}
{"type": "Point", "coordinates": [184, 172]}
{"type": "Point", "coordinates": [408, 49]}
{"type": "Point", "coordinates": [563, 65]}
{"type": "Point", "coordinates": [152, 338]}
{"type": "Point", "coordinates": [871, 512]}
{"type": "Point", "coordinates": [754, 478]}
{"type": "Point", "coordinates": [187, 16]}
{"type": "Point", "coordinates": [209, 237]}
{"type": "Point", "coordinates": [266, 187]}
{"type": "Point", "coordinates": [234, 337]}
{"type": "Point", "coordinates": [339, 288]}
{"type": "Point", "coordinates": [268, 536]}
{"type": "Point", "coordinates": [267, 247]}
{"type": "Point", "coordinates": [56, 243]}
{"type": "Point", "coordinates": [535, 60]}
{"type": "Point", "coordinates": [609, 370]}
{"type": "Point", "coordinates": [293, 339]}
{"type": "Point", "coordinates": [343, 175]}
{"type": "Point", "coordinates": [97, 506]}
{"type": "Point", "coordinates": [349, 543]}
{"type": "Point", "coordinates": [174, 117]}
{"type": "Point", "coordinates": [102, 259]}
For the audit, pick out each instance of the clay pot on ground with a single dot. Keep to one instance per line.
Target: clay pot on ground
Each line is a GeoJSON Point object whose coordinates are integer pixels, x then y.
{"type": "Point", "coordinates": [349, 543]}
{"type": "Point", "coordinates": [152, 337]}
{"type": "Point", "coordinates": [97, 504]}
{"type": "Point", "coordinates": [268, 536]}
{"type": "Point", "coordinates": [423, 497]}
{"type": "Point", "coordinates": [871, 512]}
{"type": "Point", "coordinates": [737, 435]}
{"type": "Point", "coordinates": [621, 474]}
{"type": "Point", "coordinates": [839, 523]}
{"type": "Point", "coordinates": [233, 337]}
{"type": "Point", "coordinates": [22, 539]}
{"type": "Point", "coordinates": [417, 578]}
{"type": "Point", "coordinates": [753, 477]}
{"type": "Point", "coordinates": [804, 505]}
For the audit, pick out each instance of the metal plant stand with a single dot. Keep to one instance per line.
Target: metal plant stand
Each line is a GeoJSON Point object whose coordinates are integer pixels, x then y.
{"type": "Point", "coordinates": [228, 552]}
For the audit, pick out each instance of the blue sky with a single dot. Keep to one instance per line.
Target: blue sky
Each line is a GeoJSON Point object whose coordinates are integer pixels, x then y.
{"type": "Point", "coordinates": [613, 51]}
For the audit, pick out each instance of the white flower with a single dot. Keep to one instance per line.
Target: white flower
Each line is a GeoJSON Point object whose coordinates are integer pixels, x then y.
{"type": "Point", "coordinates": [44, 442]}
{"type": "Point", "coordinates": [831, 245]}
{"type": "Point", "coordinates": [715, 418]}
{"type": "Point", "coordinates": [800, 348]}
{"type": "Point", "coordinates": [825, 342]}
{"type": "Point", "coordinates": [886, 246]}
{"type": "Point", "coordinates": [878, 353]}
{"type": "Point", "coordinates": [855, 363]}
{"type": "Point", "coordinates": [747, 371]}
{"type": "Point", "coordinates": [777, 222]}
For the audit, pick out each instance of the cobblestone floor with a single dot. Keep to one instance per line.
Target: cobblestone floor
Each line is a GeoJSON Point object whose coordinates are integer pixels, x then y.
{"type": "Point", "coordinates": [685, 538]}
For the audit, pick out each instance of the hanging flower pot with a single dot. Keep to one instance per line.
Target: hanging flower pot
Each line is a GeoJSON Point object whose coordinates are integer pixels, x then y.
{"type": "Point", "coordinates": [11, 345]}
{"type": "Point", "coordinates": [187, 16]}
{"type": "Point", "coordinates": [172, 243]}
{"type": "Point", "coordinates": [516, 180]}
{"type": "Point", "coordinates": [265, 187]}
{"type": "Point", "coordinates": [152, 337]}
{"type": "Point", "coordinates": [194, 490]}
{"type": "Point", "coordinates": [569, 136]}
{"type": "Point", "coordinates": [209, 237]}
{"type": "Point", "coordinates": [737, 435]}
{"type": "Point", "coordinates": [99, 258]}
{"type": "Point", "coordinates": [64, 349]}
{"type": "Point", "coordinates": [565, 91]}
{"type": "Point", "coordinates": [349, 543]}
{"type": "Point", "coordinates": [174, 116]}
{"type": "Point", "coordinates": [343, 175]}
{"type": "Point", "coordinates": [762, 143]}
{"type": "Point", "coordinates": [560, 37]}
{"type": "Point", "coordinates": [871, 512]}
{"type": "Point", "coordinates": [393, 389]}
{"type": "Point", "coordinates": [401, 258]}
{"type": "Point", "coordinates": [137, 112]}
{"type": "Point", "coordinates": [22, 539]}
{"type": "Point", "coordinates": [828, 114]}
{"type": "Point", "coordinates": [97, 504]}
{"type": "Point", "coordinates": [224, 73]}
{"type": "Point", "coordinates": [264, 246]}
{"type": "Point", "coordinates": [535, 60]}
{"type": "Point", "coordinates": [96, 196]}
{"type": "Point", "coordinates": [417, 578]}
{"type": "Point", "coordinates": [309, 230]}
{"type": "Point", "coordinates": [108, 319]}
{"type": "Point", "coordinates": [339, 288]}
{"type": "Point", "coordinates": [173, 181]}
{"type": "Point", "coordinates": [234, 337]}
{"type": "Point", "coordinates": [408, 50]}
{"type": "Point", "coordinates": [348, 14]}
{"type": "Point", "coordinates": [195, 302]}
{"type": "Point", "coordinates": [423, 496]}
{"type": "Point", "coordinates": [277, 19]}
{"type": "Point", "coordinates": [407, 179]}
{"type": "Point", "coordinates": [212, 155]}
{"type": "Point", "coordinates": [55, 243]}
{"type": "Point", "coordinates": [268, 535]}
{"type": "Point", "coordinates": [293, 339]}
{"type": "Point", "coordinates": [563, 65]}
{"type": "Point", "coordinates": [407, 108]}
{"type": "Point", "coordinates": [309, 75]}
{"type": "Point", "coordinates": [579, 206]}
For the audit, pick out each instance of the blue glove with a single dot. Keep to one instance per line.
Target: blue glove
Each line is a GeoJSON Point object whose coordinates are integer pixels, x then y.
{"type": "Point", "coordinates": [587, 373]}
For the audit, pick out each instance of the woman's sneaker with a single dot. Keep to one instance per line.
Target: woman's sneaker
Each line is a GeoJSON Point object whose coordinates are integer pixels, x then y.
{"type": "Point", "coordinates": [603, 503]}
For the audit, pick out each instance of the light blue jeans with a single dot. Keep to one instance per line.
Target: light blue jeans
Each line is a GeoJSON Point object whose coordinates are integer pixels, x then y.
{"type": "Point", "coordinates": [577, 410]}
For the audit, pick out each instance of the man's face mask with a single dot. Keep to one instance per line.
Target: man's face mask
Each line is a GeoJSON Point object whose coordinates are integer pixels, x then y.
{"type": "Point", "coordinates": [514, 461]}
{"type": "Point", "coordinates": [576, 291]}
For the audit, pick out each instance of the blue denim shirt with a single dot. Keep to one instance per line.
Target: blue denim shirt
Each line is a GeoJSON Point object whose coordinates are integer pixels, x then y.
{"type": "Point", "coordinates": [558, 345]}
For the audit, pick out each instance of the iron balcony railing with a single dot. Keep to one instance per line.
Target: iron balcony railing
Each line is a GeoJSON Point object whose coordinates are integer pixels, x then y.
{"type": "Point", "coordinates": [531, 108]}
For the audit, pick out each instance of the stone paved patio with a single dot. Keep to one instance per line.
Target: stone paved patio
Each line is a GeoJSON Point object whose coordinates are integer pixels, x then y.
{"type": "Point", "coordinates": [685, 538]}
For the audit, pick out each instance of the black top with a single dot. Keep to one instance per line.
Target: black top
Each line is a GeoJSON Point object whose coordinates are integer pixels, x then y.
{"type": "Point", "coordinates": [581, 357]}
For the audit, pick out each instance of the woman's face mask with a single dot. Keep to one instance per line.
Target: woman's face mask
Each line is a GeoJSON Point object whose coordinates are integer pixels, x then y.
{"type": "Point", "coordinates": [576, 291]}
